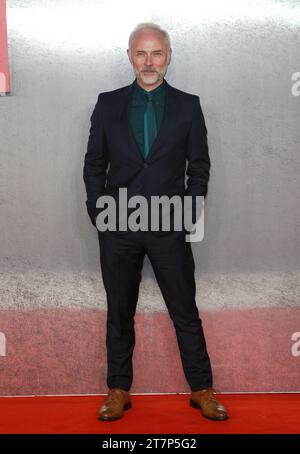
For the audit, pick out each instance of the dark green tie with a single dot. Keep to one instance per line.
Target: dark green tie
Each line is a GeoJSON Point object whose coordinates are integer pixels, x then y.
{"type": "Point", "coordinates": [150, 128]}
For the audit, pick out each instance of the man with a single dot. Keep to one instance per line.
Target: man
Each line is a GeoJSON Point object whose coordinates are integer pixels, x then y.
{"type": "Point", "coordinates": [145, 133]}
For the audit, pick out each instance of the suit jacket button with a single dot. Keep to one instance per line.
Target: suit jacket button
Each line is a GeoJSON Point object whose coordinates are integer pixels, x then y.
{"type": "Point", "coordinates": [145, 165]}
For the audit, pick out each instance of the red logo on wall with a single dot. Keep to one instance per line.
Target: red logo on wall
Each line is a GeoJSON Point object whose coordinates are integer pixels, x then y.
{"type": "Point", "coordinates": [4, 75]}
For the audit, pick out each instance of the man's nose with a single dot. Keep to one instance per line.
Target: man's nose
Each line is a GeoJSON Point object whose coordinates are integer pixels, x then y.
{"type": "Point", "coordinates": [148, 60]}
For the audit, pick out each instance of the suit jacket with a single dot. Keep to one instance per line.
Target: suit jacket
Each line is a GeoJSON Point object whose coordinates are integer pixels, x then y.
{"type": "Point", "coordinates": [114, 159]}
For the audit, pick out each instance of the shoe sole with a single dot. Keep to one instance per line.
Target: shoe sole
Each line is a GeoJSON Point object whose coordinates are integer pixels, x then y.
{"type": "Point", "coordinates": [109, 418]}
{"type": "Point", "coordinates": [198, 407]}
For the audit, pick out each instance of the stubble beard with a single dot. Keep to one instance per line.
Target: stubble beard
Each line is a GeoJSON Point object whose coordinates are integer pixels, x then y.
{"type": "Point", "coordinates": [152, 79]}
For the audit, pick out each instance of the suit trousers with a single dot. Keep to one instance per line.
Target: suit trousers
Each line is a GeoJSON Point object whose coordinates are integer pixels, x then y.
{"type": "Point", "coordinates": [121, 259]}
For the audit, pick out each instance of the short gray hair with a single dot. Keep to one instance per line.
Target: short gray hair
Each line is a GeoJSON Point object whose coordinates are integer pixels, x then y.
{"type": "Point", "coordinates": [151, 26]}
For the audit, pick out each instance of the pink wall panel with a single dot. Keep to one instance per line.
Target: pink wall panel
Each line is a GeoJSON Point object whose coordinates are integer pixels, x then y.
{"type": "Point", "coordinates": [63, 351]}
{"type": "Point", "coordinates": [4, 74]}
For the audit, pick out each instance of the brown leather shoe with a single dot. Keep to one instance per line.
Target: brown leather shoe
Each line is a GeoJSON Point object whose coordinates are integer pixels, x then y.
{"type": "Point", "coordinates": [116, 402]}
{"type": "Point", "coordinates": [210, 407]}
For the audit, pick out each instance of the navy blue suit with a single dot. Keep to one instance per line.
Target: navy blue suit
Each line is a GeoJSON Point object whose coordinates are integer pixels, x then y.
{"type": "Point", "coordinates": [114, 160]}
{"type": "Point", "coordinates": [182, 137]}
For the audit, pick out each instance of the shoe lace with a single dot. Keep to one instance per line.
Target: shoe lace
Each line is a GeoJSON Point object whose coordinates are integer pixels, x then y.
{"type": "Point", "coordinates": [212, 395]}
{"type": "Point", "coordinates": [113, 396]}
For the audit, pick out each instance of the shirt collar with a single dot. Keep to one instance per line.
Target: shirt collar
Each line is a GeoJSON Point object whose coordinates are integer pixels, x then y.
{"type": "Point", "coordinates": [158, 92]}
{"type": "Point", "coordinates": [137, 88]}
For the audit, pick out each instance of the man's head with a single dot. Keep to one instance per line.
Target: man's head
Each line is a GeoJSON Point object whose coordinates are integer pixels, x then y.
{"type": "Point", "coordinates": [149, 52]}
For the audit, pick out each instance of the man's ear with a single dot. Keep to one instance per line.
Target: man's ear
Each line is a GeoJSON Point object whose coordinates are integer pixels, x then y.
{"type": "Point", "coordinates": [128, 53]}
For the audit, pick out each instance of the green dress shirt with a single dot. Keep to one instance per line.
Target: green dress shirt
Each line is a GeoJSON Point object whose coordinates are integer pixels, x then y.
{"type": "Point", "coordinates": [138, 107]}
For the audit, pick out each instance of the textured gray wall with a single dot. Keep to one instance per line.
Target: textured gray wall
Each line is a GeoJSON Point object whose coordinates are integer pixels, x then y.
{"type": "Point", "coordinates": [239, 57]}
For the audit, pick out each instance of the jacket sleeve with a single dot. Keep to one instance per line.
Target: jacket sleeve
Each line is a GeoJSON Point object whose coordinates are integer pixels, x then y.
{"type": "Point", "coordinates": [95, 161]}
{"type": "Point", "coordinates": [198, 157]}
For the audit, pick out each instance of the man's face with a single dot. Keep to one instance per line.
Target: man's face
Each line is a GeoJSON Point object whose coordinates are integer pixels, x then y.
{"type": "Point", "coordinates": [150, 57]}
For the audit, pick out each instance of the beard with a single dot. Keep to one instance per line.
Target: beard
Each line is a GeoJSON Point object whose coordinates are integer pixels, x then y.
{"type": "Point", "coordinates": [150, 78]}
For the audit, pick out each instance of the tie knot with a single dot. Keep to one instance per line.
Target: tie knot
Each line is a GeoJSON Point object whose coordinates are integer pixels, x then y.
{"type": "Point", "coordinates": [149, 96]}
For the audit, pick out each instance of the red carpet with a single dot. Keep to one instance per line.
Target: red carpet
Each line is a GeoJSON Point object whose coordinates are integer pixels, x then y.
{"type": "Point", "coordinates": [164, 414]}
